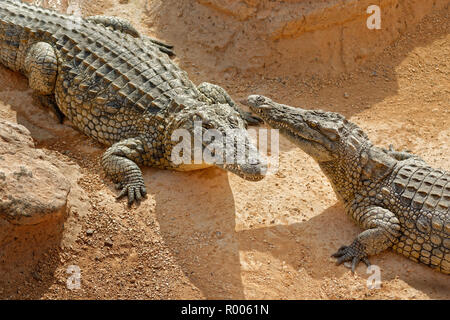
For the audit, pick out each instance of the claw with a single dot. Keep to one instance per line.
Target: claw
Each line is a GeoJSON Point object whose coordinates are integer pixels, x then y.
{"type": "Point", "coordinates": [355, 262]}
{"type": "Point", "coordinates": [343, 259]}
{"type": "Point", "coordinates": [366, 261]}
{"type": "Point", "coordinates": [351, 253]}
{"type": "Point", "coordinates": [135, 193]}
{"type": "Point", "coordinates": [143, 191]}
{"type": "Point", "coordinates": [340, 252]}
{"type": "Point", "coordinates": [169, 52]}
{"type": "Point", "coordinates": [163, 47]}
{"type": "Point", "coordinates": [131, 197]}
{"type": "Point", "coordinates": [122, 193]}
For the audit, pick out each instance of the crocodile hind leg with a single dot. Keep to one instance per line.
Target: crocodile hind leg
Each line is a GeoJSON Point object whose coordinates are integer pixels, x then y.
{"type": "Point", "coordinates": [41, 69]}
{"type": "Point", "coordinates": [219, 95]}
{"type": "Point", "coordinates": [125, 26]}
{"type": "Point", "coordinates": [382, 231]}
{"type": "Point", "coordinates": [120, 163]}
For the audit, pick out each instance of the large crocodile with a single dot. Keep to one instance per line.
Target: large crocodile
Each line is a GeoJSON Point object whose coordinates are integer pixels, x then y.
{"type": "Point", "coordinates": [118, 87]}
{"type": "Point", "coordinates": [399, 201]}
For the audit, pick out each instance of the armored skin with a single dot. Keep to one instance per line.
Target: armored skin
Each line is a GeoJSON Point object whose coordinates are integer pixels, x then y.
{"type": "Point", "coordinates": [400, 201]}
{"type": "Point", "coordinates": [118, 87]}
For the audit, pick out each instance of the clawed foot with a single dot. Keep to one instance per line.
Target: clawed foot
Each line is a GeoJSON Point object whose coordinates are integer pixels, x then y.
{"type": "Point", "coordinates": [399, 155]}
{"type": "Point", "coordinates": [134, 191]}
{"type": "Point", "coordinates": [354, 253]}
{"type": "Point", "coordinates": [162, 46]}
{"type": "Point", "coordinates": [391, 149]}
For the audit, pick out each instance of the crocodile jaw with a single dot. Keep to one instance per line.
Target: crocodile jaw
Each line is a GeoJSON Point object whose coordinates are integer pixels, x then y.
{"type": "Point", "coordinates": [247, 171]}
{"type": "Point", "coordinates": [252, 168]}
{"type": "Point", "coordinates": [291, 123]}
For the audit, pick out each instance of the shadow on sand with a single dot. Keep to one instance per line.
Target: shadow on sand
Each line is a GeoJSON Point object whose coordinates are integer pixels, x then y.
{"type": "Point", "coordinates": [201, 233]}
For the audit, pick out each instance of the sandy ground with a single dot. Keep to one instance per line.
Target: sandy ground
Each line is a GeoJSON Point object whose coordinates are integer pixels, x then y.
{"type": "Point", "coordinates": [209, 234]}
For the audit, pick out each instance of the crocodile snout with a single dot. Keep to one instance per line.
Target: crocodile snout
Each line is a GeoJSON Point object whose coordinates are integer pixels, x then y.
{"type": "Point", "coordinates": [257, 101]}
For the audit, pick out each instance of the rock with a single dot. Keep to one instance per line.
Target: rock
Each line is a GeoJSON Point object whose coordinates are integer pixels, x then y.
{"type": "Point", "coordinates": [89, 232]}
{"type": "Point", "coordinates": [32, 189]}
{"type": "Point", "coordinates": [109, 242]}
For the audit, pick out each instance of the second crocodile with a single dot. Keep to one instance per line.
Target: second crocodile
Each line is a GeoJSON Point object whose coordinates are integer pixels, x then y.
{"type": "Point", "coordinates": [400, 201]}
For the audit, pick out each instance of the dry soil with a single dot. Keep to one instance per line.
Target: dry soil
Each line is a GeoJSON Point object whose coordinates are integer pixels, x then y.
{"type": "Point", "coordinates": [209, 234]}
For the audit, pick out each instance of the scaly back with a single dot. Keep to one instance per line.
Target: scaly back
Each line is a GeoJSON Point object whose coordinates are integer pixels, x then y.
{"type": "Point", "coordinates": [131, 69]}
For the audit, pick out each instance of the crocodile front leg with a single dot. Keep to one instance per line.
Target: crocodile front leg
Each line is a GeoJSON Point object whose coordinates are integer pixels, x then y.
{"type": "Point", "coordinates": [120, 163]}
{"type": "Point", "coordinates": [383, 230]}
{"type": "Point", "coordinates": [400, 155]}
{"type": "Point", "coordinates": [218, 95]}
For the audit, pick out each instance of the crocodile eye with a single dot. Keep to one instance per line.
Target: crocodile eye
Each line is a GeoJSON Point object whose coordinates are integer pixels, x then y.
{"type": "Point", "coordinates": [312, 124]}
{"type": "Point", "coordinates": [233, 121]}
{"type": "Point", "coordinates": [260, 99]}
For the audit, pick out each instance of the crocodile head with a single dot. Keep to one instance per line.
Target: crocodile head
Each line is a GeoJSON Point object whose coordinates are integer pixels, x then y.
{"type": "Point", "coordinates": [212, 135]}
{"type": "Point", "coordinates": [325, 136]}
{"type": "Point", "coordinates": [341, 148]}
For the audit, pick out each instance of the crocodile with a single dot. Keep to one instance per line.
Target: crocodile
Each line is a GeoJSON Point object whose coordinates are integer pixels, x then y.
{"type": "Point", "coordinates": [120, 88]}
{"type": "Point", "coordinates": [394, 196]}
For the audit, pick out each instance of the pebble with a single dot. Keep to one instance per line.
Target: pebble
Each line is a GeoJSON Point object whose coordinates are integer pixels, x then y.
{"type": "Point", "coordinates": [89, 232]}
{"type": "Point", "coordinates": [108, 243]}
{"type": "Point", "coordinates": [36, 276]}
